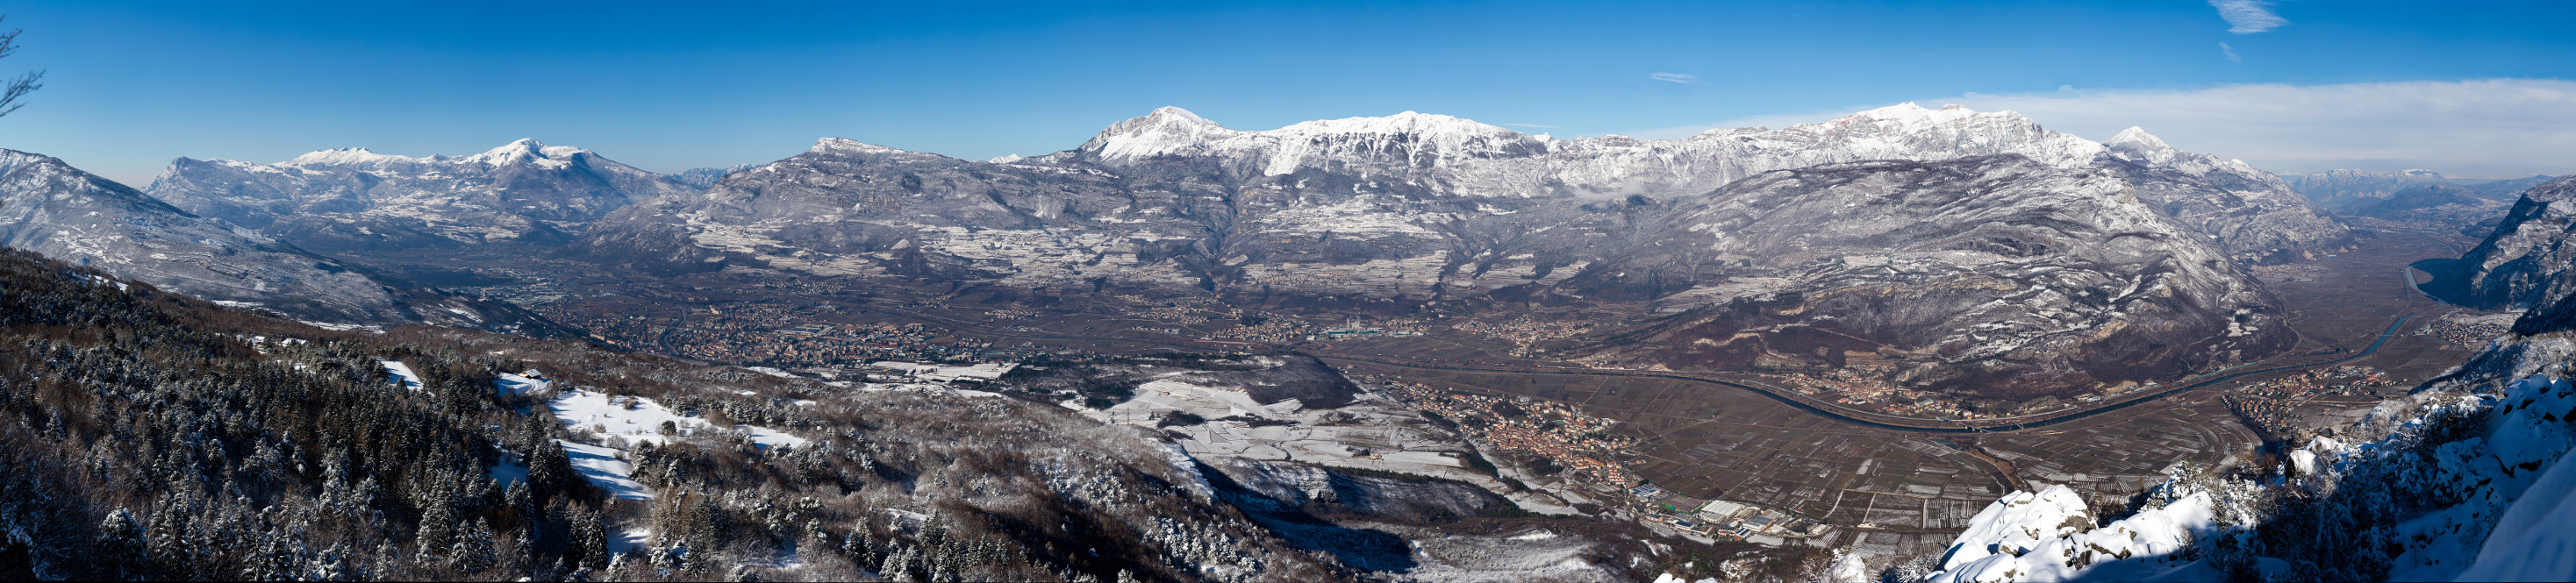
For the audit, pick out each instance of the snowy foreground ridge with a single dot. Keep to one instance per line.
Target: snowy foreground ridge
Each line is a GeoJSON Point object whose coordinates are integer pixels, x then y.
{"type": "Point", "coordinates": [2501, 507]}
{"type": "Point", "coordinates": [2043, 537]}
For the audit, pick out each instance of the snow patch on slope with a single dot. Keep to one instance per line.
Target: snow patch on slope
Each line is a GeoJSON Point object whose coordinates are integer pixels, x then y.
{"type": "Point", "coordinates": [402, 374]}
{"type": "Point", "coordinates": [639, 420]}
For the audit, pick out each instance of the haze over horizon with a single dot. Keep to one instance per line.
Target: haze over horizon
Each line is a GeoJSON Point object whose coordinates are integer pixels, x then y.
{"type": "Point", "coordinates": [2291, 87]}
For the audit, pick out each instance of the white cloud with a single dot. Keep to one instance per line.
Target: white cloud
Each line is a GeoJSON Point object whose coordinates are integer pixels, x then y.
{"type": "Point", "coordinates": [2248, 16]}
{"type": "Point", "coordinates": [2489, 127]}
{"type": "Point", "coordinates": [2230, 51]}
{"type": "Point", "coordinates": [1682, 78]}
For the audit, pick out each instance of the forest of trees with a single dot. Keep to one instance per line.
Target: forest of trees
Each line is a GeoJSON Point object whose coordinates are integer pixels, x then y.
{"type": "Point", "coordinates": [150, 436]}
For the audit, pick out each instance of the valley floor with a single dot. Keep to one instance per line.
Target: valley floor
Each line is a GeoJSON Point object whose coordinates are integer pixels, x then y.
{"type": "Point", "coordinates": [1888, 492]}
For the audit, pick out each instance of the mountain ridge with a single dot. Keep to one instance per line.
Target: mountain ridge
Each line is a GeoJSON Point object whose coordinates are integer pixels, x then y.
{"type": "Point", "coordinates": [354, 199]}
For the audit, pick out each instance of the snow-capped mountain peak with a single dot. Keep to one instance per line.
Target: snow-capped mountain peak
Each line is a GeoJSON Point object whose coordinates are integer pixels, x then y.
{"type": "Point", "coordinates": [344, 156]}
{"type": "Point", "coordinates": [1167, 130]}
{"type": "Point", "coordinates": [1911, 117]}
{"type": "Point", "coordinates": [1429, 126]}
{"type": "Point", "coordinates": [2137, 137]}
{"type": "Point", "coordinates": [850, 145]}
{"type": "Point", "coordinates": [523, 150]}
{"type": "Point", "coordinates": [347, 199]}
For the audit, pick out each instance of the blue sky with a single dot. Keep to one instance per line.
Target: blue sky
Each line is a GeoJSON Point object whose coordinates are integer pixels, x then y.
{"type": "Point", "coordinates": [671, 87]}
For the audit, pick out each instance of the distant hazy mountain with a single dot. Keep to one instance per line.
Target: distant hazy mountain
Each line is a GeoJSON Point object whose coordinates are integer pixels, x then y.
{"type": "Point", "coordinates": [2350, 190]}
{"type": "Point", "coordinates": [353, 199]}
{"type": "Point", "coordinates": [705, 177]}
{"type": "Point", "coordinates": [49, 207]}
{"type": "Point", "coordinates": [1418, 208]}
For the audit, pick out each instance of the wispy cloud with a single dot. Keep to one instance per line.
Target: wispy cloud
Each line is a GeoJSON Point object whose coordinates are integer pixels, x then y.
{"type": "Point", "coordinates": [1682, 78]}
{"type": "Point", "coordinates": [1532, 125]}
{"type": "Point", "coordinates": [2490, 127]}
{"type": "Point", "coordinates": [2248, 16]}
{"type": "Point", "coordinates": [2230, 51]}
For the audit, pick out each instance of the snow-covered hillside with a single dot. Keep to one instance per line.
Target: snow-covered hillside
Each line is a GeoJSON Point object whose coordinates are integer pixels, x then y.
{"type": "Point", "coordinates": [2464, 480]}
{"type": "Point", "coordinates": [49, 207]}
{"type": "Point", "coordinates": [2253, 213]}
{"type": "Point", "coordinates": [355, 199]}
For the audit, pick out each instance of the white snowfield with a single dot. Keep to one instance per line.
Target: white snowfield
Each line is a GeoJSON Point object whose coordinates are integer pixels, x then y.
{"type": "Point", "coordinates": [522, 383]}
{"type": "Point", "coordinates": [638, 419]}
{"type": "Point", "coordinates": [1370, 433]}
{"type": "Point", "coordinates": [600, 465]}
{"type": "Point", "coordinates": [982, 371]}
{"type": "Point", "coordinates": [1158, 397]}
{"type": "Point", "coordinates": [635, 420]}
{"type": "Point", "coordinates": [402, 374]}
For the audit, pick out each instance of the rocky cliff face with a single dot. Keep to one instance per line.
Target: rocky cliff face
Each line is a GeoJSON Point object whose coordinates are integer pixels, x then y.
{"type": "Point", "coordinates": [2252, 214]}
{"type": "Point", "coordinates": [2518, 264]}
{"type": "Point", "coordinates": [356, 200]}
{"type": "Point", "coordinates": [1997, 273]}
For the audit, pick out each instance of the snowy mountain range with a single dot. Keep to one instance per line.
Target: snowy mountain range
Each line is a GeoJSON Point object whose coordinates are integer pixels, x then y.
{"type": "Point", "coordinates": [354, 199]}
{"type": "Point", "coordinates": [49, 207]}
{"type": "Point", "coordinates": [1417, 208]}
{"type": "Point", "coordinates": [2252, 212]}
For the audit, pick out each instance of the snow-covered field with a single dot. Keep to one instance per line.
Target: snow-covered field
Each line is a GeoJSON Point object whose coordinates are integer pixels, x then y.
{"type": "Point", "coordinates": [522, 383]}
{"type": "Point", "coordinates": [631, 419]}
{"type": "Point", "coordinates": [402, 374]}
{"type": "Point", "coordinates": [601, 466]}
{"type": "Point", "coordinates": [638, 419]}
{"type": "Point", "coordinates": [1370, 433]}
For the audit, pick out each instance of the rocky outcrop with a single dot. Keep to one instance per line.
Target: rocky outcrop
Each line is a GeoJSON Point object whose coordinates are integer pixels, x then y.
{"type": "Point", "coordinates": [2523, 262]}
{"type": "Point", "coordinates": [355, 200]}
{"type": "Point", "coordinates": [2252, 214]}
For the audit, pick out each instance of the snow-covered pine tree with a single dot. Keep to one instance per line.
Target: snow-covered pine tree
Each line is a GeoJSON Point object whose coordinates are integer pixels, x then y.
{"type": "Point", "coordinates": [122, 553]}
{"type": "Point", "coordinates": [591, 536]}
{"type": "Point", "coordinates": [475, 549]}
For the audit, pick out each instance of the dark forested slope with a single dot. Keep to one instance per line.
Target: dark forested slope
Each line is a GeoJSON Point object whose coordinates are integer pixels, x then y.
{"type": "Point", "coordinates": [151, 435]}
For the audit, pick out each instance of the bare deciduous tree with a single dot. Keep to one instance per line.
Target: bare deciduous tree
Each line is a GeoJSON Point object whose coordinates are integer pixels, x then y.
{"type": "Point", "coordinates": [24, 84]}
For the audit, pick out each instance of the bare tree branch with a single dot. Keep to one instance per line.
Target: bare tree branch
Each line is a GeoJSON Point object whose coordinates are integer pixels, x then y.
{"type": "Point", "coordinates": [24, 84]}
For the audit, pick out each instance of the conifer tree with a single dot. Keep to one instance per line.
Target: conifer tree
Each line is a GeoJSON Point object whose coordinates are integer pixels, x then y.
{"type": "Point", "coordinates": [122, 553]}
{"type": "Point", "coordinates": [475, 549]}
{"type": "Point", "coordinates": [330, 565]}
{"type": "Point", "coordinates": [592, 536]}
{"type": "Point", "coordinates": [550, 470]}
